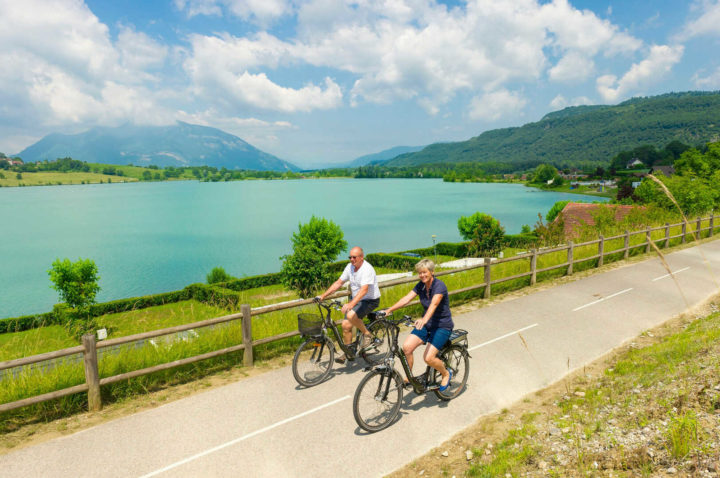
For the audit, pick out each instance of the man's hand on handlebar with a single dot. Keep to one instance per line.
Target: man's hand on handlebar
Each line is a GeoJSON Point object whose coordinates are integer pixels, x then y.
{"type": "Point", "coordinates": [317, 298]}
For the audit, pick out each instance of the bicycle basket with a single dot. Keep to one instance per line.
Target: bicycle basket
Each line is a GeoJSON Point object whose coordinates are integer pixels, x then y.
{"type": "Point", "coordinates": [310, 324]}
{"type": "Point", "coordinates": [459, 337]}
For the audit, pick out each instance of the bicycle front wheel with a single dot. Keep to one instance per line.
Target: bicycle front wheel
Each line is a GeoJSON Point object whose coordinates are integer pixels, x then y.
{"type": "Point", "coordinates": [313, 361]}
{"type": "Point", "coordinates": [456, 359]}
{"type": "Point", "coordinates": [377, 400]}
{"type": "Point", "coordinates": [380, 348]}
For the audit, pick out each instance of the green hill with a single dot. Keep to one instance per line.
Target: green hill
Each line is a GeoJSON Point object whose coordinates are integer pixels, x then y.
{"type": "Point", "coordinates": [586, 134]}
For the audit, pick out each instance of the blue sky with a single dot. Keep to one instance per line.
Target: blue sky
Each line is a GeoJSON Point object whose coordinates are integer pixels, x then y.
{"type": "Point", "coordinates": [318, 82]}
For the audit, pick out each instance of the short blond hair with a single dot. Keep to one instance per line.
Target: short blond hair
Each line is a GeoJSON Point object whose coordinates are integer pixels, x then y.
{"type": "Point", "coordinates": [425, 264]}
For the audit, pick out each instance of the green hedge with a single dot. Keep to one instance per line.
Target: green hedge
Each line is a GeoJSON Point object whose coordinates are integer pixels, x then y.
{"type": "Point", "coordinates": [521, 240]}
{"type": "Point", "coordinates": [454, 249]}
{"type": "Point", "coordinates": [27, 322]}
{"type": "Point", "coordinates": [142, 302]}
{"type": "Point", "coordinates": [392, 261]}
{"type": "Point", "coordinates": [214, 295]}
{"type": "Point", "coordinates": [251, 282]}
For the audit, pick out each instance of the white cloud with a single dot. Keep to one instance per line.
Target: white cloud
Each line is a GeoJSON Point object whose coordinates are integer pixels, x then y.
{"type": "Point", "coordinates": [260, 92]}
{"type": "Point", "coordinates": [706, 24]}
{"type": "Point", "coordinates": [560, 102]}
{"type": "Point", "coordinates": [199, 7]}
{"type": "Point", "coordinates": [572, 68]}
{"type": "Point", "coordinates": [261, 12]}
{"type": "Point", "coordinates": [139, 52]}
{"type": "Point", "coordinates": [660, 60]}
{"type": "Point", "coordinates": [709, 82]}
{"type": "Point", "coordinates": [495, 105]}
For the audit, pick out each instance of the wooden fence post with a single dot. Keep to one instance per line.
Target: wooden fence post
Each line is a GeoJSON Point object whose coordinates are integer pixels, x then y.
{"type": "Point", "coordinates": [601, 250]}
{"type": "Point", "coordinates": [712, 216]}
{"type": "Point", "coordinates": [247, 334]}
{"type": "Point", "coordinates": [570, 258]}
{"type": "Point", "coordinates": [486, 293]}
{"type": "Point", "coordinates": [698, 229]}
{"type": "Point", "coordinates": [648, 235]}
{"type": "Point", "coordinates": [667, 235]}
{"type": "Point", "coordinates": [92, 377]}
{"type": "Point", "coordinates": [533, 267]}
{"type": "Point", "coordinates": [684, 231]}
{"type": "Point", "coordinates": [627, 244]}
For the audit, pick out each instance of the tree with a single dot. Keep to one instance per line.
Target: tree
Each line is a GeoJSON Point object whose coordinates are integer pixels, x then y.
{"type": "Point", "coordinates": [544, 173]}
{"type": "Point", "coordinates": [218, 274]}
{"type": "Point", "coordinates": [315, 245]}
{"type": "Point", "coordinates": [488, 237]}
{"type": "Point", "coordinates": [325, 235]}
{"type": "Point", "coordinates": [77, 283]}
{"type": "Point", "coordinates": [468, 224]}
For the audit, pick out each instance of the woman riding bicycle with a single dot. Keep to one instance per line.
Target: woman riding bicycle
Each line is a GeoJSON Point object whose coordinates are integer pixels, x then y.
{"type": "Point", "coordinates": [436, 324]}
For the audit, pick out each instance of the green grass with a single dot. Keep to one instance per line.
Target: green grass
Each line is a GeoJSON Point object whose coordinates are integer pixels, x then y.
{"type": "Point", "coordinates": [34, 341]}
{"type": "Point", "coordinates": [51, 178]}
{"type": "Point", "coordinates": [686, 361]}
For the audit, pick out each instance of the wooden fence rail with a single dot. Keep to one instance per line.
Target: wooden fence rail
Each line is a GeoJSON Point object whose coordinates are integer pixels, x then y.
{"type": "Point", "coordinates": [89, 345]}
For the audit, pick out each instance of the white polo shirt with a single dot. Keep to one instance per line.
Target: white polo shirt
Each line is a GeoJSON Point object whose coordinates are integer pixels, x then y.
{"type": "Point", "coordinates": [363, 276]}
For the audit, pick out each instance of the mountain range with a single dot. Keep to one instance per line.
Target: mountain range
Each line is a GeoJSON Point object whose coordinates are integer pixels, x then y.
{"type": "Point", "coordinates": [181, 144]}
{"type": "Point", "coordinates": [586, 134]}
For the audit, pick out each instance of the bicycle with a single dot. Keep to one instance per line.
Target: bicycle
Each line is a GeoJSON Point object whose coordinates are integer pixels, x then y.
{"type": "Point", "coordinates": [314, 359]}
{"type": "Point", "coordinates": [379, 394]}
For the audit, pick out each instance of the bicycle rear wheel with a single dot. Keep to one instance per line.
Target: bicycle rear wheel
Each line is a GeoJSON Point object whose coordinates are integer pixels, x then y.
{"type": "Point", "coordinates": [380, 348]}
{"type": "Point", "coordinates": [313, 361]}
{"type": "Point", "coordinates": [455, 358]}
{"type": "Point", "coordinates": [377, 400]}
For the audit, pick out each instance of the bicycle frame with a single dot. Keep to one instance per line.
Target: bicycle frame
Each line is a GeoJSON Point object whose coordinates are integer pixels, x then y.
{"type": "Point", "coordinates": [328, 323]}
{"type": "Point", "coordinates": [418, 387]}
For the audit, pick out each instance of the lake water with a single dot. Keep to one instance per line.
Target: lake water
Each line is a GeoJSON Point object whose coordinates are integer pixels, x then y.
{"type": "Point", "coordinates": [155, 237]}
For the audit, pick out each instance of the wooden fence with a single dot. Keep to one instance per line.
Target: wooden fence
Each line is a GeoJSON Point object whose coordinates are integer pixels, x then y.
{"type": "Point", "coordinates": [89, 346]}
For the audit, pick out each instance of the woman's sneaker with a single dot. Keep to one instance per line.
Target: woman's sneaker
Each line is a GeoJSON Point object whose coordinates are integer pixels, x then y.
{"type": "Point", "coordinates": [341, 358]}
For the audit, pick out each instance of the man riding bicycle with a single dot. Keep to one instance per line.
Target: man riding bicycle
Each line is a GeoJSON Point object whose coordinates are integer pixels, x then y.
{"type": "Point", "coordinates": [365, 297]}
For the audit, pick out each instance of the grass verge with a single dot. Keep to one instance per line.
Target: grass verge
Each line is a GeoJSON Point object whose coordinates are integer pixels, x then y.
{"type": "Point", "coordinates": [651, 408]}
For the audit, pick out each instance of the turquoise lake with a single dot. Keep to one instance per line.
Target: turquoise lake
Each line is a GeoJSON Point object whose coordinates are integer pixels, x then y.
{"type": "Point", "coordinates": [156, 237]}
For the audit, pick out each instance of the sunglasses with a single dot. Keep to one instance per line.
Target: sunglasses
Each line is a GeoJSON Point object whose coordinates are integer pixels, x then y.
{"type": "Point", "coordinates": [353, 257]}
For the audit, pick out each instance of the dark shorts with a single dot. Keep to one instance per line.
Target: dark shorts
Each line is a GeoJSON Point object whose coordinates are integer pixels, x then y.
{"type": "Point", "coordinates": [364, 307]}
{"type": "Point", "coordinates": [437, 337]}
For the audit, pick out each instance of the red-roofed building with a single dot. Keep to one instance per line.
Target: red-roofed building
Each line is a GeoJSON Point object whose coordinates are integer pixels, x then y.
{"type": "Point", "coordinates": [577, 214]}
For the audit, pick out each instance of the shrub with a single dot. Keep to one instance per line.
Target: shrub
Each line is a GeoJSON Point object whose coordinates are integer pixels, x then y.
{"type": "Point", "coordinates": [77, 284]}
{"type": "Point", "coordinates": [468, 224]}
{"type": "Point", "coordinates": [218, 274]}
{"type": "Point", "coordinates": [305, 272]}
{"type": "Point", "coordinates": [488, 237]}
{"type": "Point", "coordinates": [314, 245]}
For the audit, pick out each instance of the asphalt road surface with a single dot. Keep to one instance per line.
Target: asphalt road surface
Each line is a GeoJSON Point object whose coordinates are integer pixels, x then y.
{"type": "Point", "coordinates": [269, 426]}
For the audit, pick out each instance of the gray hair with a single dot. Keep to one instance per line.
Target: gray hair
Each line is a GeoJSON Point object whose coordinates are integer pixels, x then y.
{"type": "Point", "coordinates": [425, 264]}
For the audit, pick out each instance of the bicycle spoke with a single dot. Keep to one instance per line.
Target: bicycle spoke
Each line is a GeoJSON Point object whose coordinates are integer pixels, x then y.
{"type": "Point", "coordinates": [312, 362]}
{"type": "Point", "coordinates": [377, 401]}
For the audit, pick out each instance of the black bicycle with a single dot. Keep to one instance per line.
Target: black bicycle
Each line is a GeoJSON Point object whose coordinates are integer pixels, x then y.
{"type": "Point", "coordinates": [379, 394]}
{"type": "Point", "coordinates": [314, 358]}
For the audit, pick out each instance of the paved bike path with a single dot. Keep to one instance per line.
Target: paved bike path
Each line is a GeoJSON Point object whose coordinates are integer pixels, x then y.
{"type": "Point", "coordinates": [268, 426]}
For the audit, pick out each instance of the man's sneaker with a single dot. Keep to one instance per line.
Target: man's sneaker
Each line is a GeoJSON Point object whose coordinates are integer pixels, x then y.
{"type": "Point", "coordinates": [367, 341]}
{"type": "Point", "coordinates": [340, 358]}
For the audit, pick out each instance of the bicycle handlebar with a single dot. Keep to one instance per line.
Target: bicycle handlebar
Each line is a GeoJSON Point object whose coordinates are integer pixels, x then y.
{"type": "Point", "coordinates": [328, 304]}
{"type": "Point", "coordinates": [405, 319]}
